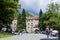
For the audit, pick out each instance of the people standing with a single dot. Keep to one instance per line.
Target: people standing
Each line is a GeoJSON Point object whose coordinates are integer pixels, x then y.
{"type": "Point", "coordinates": [47, 31]}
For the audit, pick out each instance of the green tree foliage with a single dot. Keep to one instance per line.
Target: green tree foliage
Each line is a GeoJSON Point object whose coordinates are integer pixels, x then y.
{"type": "Point", "coordinates": [51, 17]}
{"type": "Point", "coordinates": [19, 22]}
{"type": "Point", "coordinates": [40, 20]}
{"type": "Point", "coordinates": [7, 11]}
{"type": "Point", "coordinates": [23, 19]}
{"type": "Point", "coordinates": [54, 7]}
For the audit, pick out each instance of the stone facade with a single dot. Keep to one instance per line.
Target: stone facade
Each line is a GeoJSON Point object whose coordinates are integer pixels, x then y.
{"type": "Point", "coordinates": [31, 23]}
{"type": "Point", "coordinates": [14, 25]}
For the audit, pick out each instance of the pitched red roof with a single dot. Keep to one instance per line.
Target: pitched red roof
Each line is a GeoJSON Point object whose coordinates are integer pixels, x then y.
{"type": "Point", "coordinates": [32, 17]}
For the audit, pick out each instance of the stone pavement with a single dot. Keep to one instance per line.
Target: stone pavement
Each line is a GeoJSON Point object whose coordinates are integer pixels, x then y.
{"type": "Point", "coordinates": [29, 37]}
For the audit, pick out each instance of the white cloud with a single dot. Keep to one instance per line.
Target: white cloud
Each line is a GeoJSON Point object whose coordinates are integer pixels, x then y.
{"type": "Point", "coordinates": [30, 4]}
{"type": "Point", "coordinates": [36, 5]}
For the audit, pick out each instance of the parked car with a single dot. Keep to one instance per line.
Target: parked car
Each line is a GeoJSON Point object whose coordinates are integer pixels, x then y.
{"type": "Point", "coordinates": [54, 33]}
{"type": "Point", "coordinates": [16, 33]}
{"type": "Point", "coordinates": [43, 32]}
{"type": "Point", "coordinates": [37, 31]}
{"type": "Point", "coordinates": [23, 31]}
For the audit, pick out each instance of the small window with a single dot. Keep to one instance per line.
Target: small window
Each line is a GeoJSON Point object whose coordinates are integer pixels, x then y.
{"type": "Point", "coordinates": [15, 24]}
{"type": "Point", "coordinates": [29, 20]}
{"type": "Point", "coordinates": [28, 23]}
{"type": "Point", "coordinates": [28, 27]}
{"type": "Point", "coordinates": [31, 23]}
{"type": "Point", "coordinates": [35, 19]}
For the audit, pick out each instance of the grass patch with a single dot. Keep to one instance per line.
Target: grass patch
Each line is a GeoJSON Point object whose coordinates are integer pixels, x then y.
{"type": "Point", "coordinates": [5, 34]}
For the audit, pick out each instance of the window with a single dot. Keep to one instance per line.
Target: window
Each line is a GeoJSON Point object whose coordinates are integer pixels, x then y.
{"type": "Point", "coordinates": [29, 20]}
{"type": "Point", "coordinates": [31, 23]}
{"type": "Point", "coordinates": [28, 27]}
{"type": "Point", "coordinates": [35, 19]}
{"type": "Point", "coordinates": [15, 24]}
{"type": "Point", "coordinates": [28, 23]}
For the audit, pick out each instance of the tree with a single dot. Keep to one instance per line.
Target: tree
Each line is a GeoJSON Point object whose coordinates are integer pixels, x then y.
{"type": "Point", "coordinates": [19, 21]}
{"type": "Point", "coordinates": [40, 19]}
{"type": "Point", "coordinates": [54, 7]}
{"type": "Point", "coordinates": [23, 19]}
{"type": "Point", "coordinates": [50, 17]}
{"type": "Point", "coordinates": [54, 11]}
{"type": "Point", "coordinates": [19, 17]}
{"type": "Point", "coordinates": [7, 11]}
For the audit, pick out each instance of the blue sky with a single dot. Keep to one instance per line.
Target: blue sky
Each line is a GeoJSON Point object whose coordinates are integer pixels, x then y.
{"type": "Point", "coordinates": [34, 6]}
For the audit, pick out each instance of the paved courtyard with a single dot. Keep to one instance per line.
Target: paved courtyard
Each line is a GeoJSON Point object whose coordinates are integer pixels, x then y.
{"type": "Point", "coordinates": [29, 37]}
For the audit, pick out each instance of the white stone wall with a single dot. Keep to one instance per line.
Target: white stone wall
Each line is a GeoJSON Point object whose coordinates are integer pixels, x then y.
{"type": "Point", "coordinates": [14, 24]}
{"type": "Point", "coordinates": [30, 24]}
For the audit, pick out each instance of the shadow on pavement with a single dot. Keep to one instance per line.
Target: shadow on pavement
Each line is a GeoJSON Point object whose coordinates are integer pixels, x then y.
{"type": "Point", "coordinates": [49, 39]}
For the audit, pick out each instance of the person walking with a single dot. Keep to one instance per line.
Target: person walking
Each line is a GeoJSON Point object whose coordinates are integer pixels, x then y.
{"type": "Point", "coordinates": [47, 31]}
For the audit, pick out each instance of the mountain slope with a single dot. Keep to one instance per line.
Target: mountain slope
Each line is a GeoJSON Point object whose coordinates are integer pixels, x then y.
{"type": "Point", "coordinates": [28, 14]}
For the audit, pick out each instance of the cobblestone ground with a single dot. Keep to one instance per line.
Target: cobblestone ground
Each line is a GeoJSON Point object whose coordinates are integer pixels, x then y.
{"type": "Point", "coordinates": [29, 37]}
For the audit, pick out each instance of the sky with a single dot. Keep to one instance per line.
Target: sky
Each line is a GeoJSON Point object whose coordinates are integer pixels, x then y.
{"type": "Point", "coordinates": [34, 6]}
